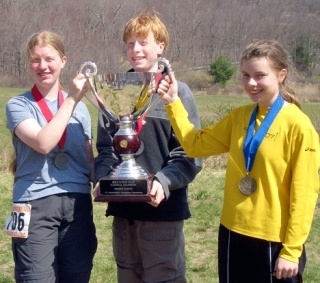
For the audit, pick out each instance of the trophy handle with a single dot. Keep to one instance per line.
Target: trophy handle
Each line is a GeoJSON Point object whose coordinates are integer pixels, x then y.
{"type": "Point", "coordinates": [160, 66]}
{"type": "Point", "coordinates": [164, 66]}
{"type": "Point", "coordinates": [90, 69]}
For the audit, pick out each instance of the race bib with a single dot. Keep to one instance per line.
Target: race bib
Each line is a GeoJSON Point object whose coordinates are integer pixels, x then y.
{"type": "Point", "coordinates": [17, 224]}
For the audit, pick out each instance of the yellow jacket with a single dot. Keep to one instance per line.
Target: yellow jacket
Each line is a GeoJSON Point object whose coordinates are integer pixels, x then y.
{"type": "Point", "coordinates": [285, 169]}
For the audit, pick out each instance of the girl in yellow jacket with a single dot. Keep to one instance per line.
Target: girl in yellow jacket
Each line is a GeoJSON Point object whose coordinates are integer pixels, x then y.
{"type": "Point", "coordinates": [272, 180]}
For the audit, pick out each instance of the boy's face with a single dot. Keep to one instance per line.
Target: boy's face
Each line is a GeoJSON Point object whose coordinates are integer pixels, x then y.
{"type": "Point", "coordinates": [142, 52]}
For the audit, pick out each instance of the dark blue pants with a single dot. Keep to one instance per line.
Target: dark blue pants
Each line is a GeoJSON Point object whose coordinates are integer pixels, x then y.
{"type": "Point", "coordinates": [61, 242]}
{"type": "Point", "coordinates": [244, 259]}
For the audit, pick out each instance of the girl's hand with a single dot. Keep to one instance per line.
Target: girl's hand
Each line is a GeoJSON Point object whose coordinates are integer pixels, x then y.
{"type": "Point", "coordinates": [168, 88]}
{"type": "Point", "coordinates": [96, 190]}
{"type": "Point", "coordinates": [285, 268]}
{"type": "Point", "coordinates": [78, 87]}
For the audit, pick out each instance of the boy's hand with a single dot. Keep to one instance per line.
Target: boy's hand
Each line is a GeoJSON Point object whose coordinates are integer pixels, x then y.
{"type": "Point", "coordinates": [156, 193]}
{"type": "Point", "coordinates": [168, 88]}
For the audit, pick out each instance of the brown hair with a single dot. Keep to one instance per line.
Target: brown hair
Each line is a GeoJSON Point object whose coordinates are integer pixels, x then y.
{"type": "Point", "coordinates": [143, 24]}
{"type": "Point", "coordinates": [272, 50]}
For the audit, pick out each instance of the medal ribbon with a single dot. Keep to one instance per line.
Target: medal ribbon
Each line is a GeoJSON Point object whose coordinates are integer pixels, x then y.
{"type": "Point", "coordinates": [141, 101]}
{"type": "Point", "coordinates": [46, 111]}
{"type": "Point", "coordinates": [253, 141]}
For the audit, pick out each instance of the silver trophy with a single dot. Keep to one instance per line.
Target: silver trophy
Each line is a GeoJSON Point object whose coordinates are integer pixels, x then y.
{"type": "Point", "coordinates": [130, 96]}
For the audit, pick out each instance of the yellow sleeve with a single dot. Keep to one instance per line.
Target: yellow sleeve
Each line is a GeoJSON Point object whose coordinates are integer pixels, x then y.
{"type": "Point", "coordinates": [303, 194]}
{"type": "Point", "coordinates": [201, 143]}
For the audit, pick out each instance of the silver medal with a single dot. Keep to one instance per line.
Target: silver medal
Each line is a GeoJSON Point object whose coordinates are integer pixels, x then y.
{"type": "Point", "coordinates": [61, 161]}
{"type": "Point", "coordinates": [247, 185]}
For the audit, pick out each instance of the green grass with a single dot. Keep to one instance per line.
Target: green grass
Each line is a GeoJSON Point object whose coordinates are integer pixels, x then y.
{"type": "Point", "coordinates": [205, 196]}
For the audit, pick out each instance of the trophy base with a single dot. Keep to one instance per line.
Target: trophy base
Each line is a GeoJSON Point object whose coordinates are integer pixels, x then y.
{"type": "Point", "coordinates": [107, 198]}
{"type": "Point", "coordinates": [113, 189]}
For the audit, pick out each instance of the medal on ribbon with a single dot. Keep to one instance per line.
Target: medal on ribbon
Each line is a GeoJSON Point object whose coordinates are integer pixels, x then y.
{"type": "Point", "coordinates": [61, 160]}
{"type": "Point", "coordinates": [247, 184]}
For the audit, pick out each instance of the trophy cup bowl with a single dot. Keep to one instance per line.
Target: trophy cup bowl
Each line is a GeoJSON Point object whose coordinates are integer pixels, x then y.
{"type": "Point", "coordinates": [129, 95]}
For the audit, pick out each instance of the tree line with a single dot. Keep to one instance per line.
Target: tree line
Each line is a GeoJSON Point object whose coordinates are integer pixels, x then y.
{"type": "Point", "coordinates": [200, 30]}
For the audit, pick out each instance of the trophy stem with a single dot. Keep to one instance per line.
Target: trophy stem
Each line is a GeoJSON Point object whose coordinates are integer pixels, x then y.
{"type": "Point", "coordinates": [128, 181]}
{"type": "Point", "coordinates": [128, 168]}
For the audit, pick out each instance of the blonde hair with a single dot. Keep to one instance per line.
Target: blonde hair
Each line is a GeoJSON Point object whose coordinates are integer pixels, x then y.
{"type": "Point", "coordinates": [45, 38]}
{"type": "Point", "coordinates": [143, 24]}
{"type": "Point", "coordinates": [272, 50]}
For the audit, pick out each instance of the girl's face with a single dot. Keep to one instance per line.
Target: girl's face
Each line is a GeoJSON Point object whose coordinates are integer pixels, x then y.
{"type": "Point", "coordinates": [142, 52]}
{"type": "Point", "coordinates": [45, 65]}
{"type": "Point", "coordinates": [261, 81]}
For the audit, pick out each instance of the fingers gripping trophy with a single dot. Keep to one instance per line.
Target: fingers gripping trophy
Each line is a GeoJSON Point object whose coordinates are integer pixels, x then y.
{"type": "Point", "coordinates": [130, 96]}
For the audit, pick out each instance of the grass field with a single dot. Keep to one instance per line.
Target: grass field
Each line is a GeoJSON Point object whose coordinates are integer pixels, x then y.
{"type": "Point", "coordinates": [205, 195]}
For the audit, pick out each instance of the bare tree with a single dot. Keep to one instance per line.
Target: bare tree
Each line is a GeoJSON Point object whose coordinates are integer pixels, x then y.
{"type": "Point", "coordinates": [200, 30]}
